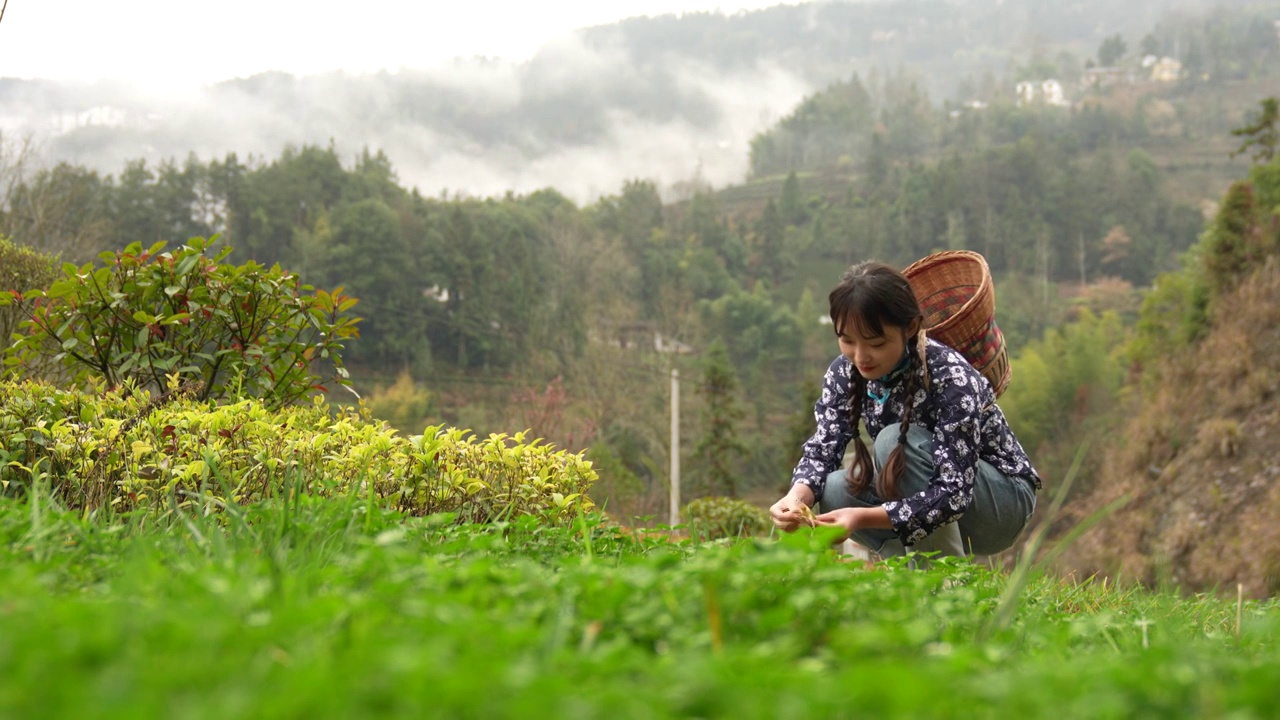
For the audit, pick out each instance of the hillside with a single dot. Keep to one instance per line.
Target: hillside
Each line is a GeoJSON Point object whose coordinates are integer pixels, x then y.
{"type": "Point", "coordinates": [1199, 459]}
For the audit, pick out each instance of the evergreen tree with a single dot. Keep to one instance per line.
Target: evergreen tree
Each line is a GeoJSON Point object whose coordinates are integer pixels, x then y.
{"type": "Point", "coordinates": [720, 445]}
{"type": "Point", "coordinates": [1261, 134]}
{"type": "Point", "coordinates": [791, 204]}
{"type": "Point", "coordinates": [1112, 49]}
{"type": "Point", "coordinates": [770, 237]}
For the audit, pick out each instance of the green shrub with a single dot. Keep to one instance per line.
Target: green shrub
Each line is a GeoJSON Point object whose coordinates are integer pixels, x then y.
{"type": "Point", "coordinates": [243, 331]}
{"type": "Point", "coordinates": [720, 517]}
{"type": "Point", "coordinates": [22, 269]}
{"type": "Point", "coordinates": [403, 404]}
{"type": "Point", "coordinates": [123, 451]}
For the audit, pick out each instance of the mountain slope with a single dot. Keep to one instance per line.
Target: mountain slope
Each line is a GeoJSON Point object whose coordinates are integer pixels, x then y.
{"type": "Point", "coordinates": [1199, 459]}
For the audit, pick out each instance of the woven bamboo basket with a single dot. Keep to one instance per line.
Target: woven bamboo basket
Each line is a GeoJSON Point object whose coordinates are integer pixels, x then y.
{"type": "Point", "coordinates": [958, 299]}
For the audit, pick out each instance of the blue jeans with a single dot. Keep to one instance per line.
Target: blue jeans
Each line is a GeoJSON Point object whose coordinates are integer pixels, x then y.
{"type": "Point", "coordinates": [1001, 505]}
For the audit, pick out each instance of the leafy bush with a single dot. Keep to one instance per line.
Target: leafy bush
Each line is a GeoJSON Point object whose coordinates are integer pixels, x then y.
{"type": "Point", "coordinates": [1238, 240]}
{"type": "Point", "coordinates": [403, 405]}
{"type": "Point", "coordinates": [1065, 377]}
{"type": "Point", "coordinates": [243, 331]}
{"type": "Point", "coordinates": [21, 269]}
{"type": "Point", "coordinates": [720, 517]}
{"type": "Point", "coordinates": [121, 451]}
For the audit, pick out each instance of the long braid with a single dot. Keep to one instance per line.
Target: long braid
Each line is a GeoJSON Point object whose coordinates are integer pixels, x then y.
{"type": "Point", "coordinates": [894, 466]}
{"type": "Point", "coordinates": [858, 478]}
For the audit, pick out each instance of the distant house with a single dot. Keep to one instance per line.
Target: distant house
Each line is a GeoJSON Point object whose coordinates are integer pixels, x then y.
{"type": "Point", "coordinates": [1047, 92]}
{"type": "Point", "coordinates": [669, 346]}
{"type": "Point", "coordinates": [644, 337]}
{"type": "Point", "coordinates": [1101, 77]}
{"type": "Point", "coordinates": [1166, 70]}
{"type": "Point", "coordinates": [968, 105]}
{"type": "Point", "coordinates": [99, 116]}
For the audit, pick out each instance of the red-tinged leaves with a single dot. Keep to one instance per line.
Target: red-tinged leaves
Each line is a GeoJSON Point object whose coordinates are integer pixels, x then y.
{"type": "Point", "coordinates": [120, 309]}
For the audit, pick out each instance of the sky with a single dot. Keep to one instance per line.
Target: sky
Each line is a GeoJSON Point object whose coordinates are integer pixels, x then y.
{"type": "Point", "coordinates": [160, 42]}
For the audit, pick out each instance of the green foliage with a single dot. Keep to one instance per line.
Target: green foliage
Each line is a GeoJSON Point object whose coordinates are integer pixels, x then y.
{"type": "Point", "coordinates": [1063, 379]}
{"type": "Point", "coordinates": [21, 269]}
{"type": "Point", "coordinates": [1175, 314]}
{"type": "Point", "coordinates": [719, 444]}
{"type": "Point", "coordinates": [404, 404]}
{"type": "Point", "coordinates": [243, 331]}
{"type": "Point", "coordinates": [1238, 241]}
{"type": "Point", "coordinates": [1234, 242]}
{"type": "Point", "coordinates": [828, 126]}
{"type": "Point", "coordinates": [1261, 134]}
{"type": "Point", "coordinates": [371, 258]}
{"type": "Point", "coordinates": [713, 518]}
{"type": "Point", "coordinates": [1035, 190]}
{"type": "Point", "coordinates": [117, 451]}
{"type": "Point", "coordinates": [618, 481]}
{"type": "Point", "coordinates": [754, 327]}
{"type": "Point", "coordinates": [770, 241]}
{"type": "Point", "coordinates": [321, 609]}
{"type": "Point", "coordinates": [1112, 50]}
{"type": "Point", "coordinates": [493, 260]}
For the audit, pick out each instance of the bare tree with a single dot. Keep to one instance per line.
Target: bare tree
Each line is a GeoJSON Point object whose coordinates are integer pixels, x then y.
{"type": "Point", "coordinates": [54, 210]}
{"type": "Point", "coordinates": [15, 157]}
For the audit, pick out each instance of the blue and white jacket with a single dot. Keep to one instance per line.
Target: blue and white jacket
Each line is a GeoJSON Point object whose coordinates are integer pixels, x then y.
{"type": "Point", "coordinates": [958, 407]}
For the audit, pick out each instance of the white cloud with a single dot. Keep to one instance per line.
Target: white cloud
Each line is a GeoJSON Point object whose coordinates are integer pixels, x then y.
{"type": "Point", "coordinates": [163, 42]}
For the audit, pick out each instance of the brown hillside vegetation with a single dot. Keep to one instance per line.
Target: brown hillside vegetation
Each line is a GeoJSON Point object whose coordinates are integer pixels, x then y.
{"type": "Point", "coordinates": [1200, 459]}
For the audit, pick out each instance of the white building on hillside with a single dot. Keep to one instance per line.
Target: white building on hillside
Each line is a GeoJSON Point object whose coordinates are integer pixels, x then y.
{"type": "Point", "coordinates": [1048, 92]}
{"type": "Point", "coordinates": [1166, 70]}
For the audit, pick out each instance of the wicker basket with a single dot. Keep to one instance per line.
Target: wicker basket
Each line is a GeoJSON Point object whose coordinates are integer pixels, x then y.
{"type": "Point", "coordinates": [958, 299]}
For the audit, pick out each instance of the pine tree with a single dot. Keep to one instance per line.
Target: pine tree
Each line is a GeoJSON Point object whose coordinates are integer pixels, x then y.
{"type": "Point", "coordinates": [719, 445]}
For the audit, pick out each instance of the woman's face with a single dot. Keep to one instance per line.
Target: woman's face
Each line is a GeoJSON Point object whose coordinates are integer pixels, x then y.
{"type": "Point", "coordinates": [874, 356]}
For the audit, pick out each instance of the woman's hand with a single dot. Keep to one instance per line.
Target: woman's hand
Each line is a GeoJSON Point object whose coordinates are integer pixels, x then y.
{"type": "Point", "coordinates": [787, 512]}
{"type": "Point", "coordinates": [856, 518]}
{"type": "Point", "coordinates": [847, 519]}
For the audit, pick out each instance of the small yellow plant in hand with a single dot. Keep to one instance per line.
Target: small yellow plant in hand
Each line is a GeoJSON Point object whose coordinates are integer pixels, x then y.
{"type": "Point", "coordinates": [806, 515]}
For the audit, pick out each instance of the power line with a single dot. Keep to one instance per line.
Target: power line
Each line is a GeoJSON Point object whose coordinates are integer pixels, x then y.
{"type": "Point", "coordinates": [2, 9]}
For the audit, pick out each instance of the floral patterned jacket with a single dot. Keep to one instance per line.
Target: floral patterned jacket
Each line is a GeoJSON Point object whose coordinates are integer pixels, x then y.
{"type": "Point", "coordinates": [958, 408]}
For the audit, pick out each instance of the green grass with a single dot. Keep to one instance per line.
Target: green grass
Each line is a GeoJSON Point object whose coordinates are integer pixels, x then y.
{"type": "Point", "coordinates": [321, 610]}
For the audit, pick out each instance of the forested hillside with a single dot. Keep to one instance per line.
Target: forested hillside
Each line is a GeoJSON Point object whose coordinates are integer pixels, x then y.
{"type": "Point", "coordinates": [1191, 471]}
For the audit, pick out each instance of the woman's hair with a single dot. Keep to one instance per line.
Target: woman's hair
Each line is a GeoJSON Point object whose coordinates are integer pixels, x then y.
{"type": "Point", "coordinates": [873, 296]}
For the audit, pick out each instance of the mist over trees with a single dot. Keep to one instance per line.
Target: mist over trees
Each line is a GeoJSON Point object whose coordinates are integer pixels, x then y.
{"type": "Point", "coordinates": [670, 99]}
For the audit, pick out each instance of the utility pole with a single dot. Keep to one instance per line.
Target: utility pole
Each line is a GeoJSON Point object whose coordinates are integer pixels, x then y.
{"type": "Point", "coordinates": [675, 447]}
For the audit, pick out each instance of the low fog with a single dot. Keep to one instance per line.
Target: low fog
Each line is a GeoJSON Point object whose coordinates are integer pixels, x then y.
{"type": "Point", "coordinates": [578, 119]}
{"type": "Point", "coordinates": [675, 100]}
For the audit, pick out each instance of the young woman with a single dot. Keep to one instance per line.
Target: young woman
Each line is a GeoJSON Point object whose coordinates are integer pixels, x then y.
{"type": "Point", "coordinates": [947, 476]}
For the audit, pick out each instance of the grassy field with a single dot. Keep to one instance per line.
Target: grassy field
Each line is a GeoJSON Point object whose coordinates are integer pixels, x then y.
{"type": "Point", "coordinates": [332, 609]}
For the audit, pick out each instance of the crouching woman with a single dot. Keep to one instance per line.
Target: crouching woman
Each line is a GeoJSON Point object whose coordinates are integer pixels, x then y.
{"type": "Point", "coordinates": [946, 474]}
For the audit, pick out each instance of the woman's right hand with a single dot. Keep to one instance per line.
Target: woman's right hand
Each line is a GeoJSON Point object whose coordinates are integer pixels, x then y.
{"type": "Point", "coordinates": [786, 512]}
